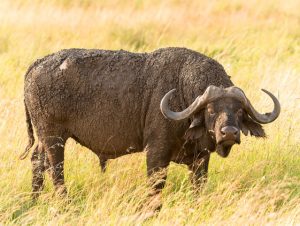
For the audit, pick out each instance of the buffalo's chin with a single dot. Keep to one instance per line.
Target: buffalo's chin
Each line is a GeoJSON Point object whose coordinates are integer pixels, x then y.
{"type": "Point", "coordinates": [223, 149]}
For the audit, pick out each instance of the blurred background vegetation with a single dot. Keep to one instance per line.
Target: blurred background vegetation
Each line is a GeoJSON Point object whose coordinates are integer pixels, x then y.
{"type": "Point", "coordinates": [257, 42]}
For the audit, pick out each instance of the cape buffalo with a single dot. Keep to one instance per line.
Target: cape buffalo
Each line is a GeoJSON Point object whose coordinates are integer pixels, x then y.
{"type": "Point", "coordinates": [116, 103]}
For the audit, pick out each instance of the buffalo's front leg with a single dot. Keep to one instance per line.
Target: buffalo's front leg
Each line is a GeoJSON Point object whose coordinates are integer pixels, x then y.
{"type": "Point", "coordinates": [199, 170]}
{"type": "Point", "coordinates": [158, 160]}
{"type": "Point", "coordinates": [103, 164]}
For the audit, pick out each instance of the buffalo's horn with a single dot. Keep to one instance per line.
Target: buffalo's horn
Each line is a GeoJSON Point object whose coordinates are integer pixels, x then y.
{"type": "Point", "coordinates": [261, 118]}
{"type": "Point", "coordinates": [211, 93]}
{"type": "Point", "coordinates": [267, 117]}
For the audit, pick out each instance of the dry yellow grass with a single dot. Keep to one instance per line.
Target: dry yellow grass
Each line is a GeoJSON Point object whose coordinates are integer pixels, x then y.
{"type": "Point", "coordinates": [258, 42]}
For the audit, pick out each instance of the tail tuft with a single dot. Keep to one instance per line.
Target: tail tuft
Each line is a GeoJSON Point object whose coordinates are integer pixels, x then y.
{"type": "Point", "coordinates": [30, 134]}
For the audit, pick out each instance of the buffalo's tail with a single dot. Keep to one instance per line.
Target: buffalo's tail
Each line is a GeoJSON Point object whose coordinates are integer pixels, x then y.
{"type": "Point", "coordinates": [30, 134]}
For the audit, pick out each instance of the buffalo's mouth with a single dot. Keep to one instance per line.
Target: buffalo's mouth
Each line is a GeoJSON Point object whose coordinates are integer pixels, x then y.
{"type": "Point", "coordinates": [224, 147]}
{"type": "Point", "coordinates": [226, 138]}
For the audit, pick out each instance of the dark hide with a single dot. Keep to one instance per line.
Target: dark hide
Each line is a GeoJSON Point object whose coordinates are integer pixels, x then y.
{"type": "Point", "coordinates": [109, 102]}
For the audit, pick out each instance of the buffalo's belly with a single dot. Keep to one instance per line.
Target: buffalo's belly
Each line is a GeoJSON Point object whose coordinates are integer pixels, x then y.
{"type": "Point", "coordinates": [107, 138]}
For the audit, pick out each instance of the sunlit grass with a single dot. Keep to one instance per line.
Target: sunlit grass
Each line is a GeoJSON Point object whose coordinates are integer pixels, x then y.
{"type": "Point", "coordinates": [259, 45]}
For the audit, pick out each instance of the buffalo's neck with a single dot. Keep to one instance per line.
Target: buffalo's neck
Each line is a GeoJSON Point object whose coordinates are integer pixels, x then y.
{"type": "Point", "coordinates": [192, 150]}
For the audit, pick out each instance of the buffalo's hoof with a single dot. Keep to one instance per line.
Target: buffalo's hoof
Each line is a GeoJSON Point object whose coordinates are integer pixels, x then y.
{"type": "Point", "coordinates": [154, 203]}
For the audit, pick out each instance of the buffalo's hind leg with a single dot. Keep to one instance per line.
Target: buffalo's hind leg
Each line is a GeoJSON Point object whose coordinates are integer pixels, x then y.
{"type": "Point", "coordinates": [38, 169]}
{"type": "Point", "coordinates": [54, 147]}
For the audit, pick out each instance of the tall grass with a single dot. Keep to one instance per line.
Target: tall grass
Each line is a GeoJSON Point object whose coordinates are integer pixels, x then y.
{"type": "Point", "coordinates": [258, 42]}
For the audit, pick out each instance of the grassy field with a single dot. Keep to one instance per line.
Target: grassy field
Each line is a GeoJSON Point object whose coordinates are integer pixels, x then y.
{"type": "Point", "coordinates": [258, 42]}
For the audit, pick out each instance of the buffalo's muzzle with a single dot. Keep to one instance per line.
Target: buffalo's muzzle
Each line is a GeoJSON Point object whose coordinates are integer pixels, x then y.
{"type": "Point", "coordinates": [230, 133]}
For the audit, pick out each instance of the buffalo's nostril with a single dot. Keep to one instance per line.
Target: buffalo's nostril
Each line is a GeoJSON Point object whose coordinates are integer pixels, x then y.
{"type": "Point", "coordinates": [229, 131]}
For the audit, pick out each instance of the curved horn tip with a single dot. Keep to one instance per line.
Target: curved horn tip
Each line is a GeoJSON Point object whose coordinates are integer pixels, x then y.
{"type": "Point", "coordinates": [274, 97]}
{"type": "Point", "coordinates": [164, 101]}
{"type": "Point", "coordinates": [170, 92]}
{"type": "Point", "coordinates": [277, 108]}
{"type": "Point", "coordinates": [268, 92]}
{"type": "Point", "coordinates": [265, 91]}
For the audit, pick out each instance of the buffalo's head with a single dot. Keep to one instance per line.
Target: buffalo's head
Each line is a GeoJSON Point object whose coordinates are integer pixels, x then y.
{"type": "Point", "coordinates": [222, 114]}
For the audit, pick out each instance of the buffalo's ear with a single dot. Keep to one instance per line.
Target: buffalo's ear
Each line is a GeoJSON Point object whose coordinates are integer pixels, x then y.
{"type": "Point", "coordinates": [255, 128]}
{"type": "Point", "coordinates": [197, 127]}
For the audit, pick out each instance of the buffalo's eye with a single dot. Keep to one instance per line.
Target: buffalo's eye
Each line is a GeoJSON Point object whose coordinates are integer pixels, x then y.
{"type": "Point", "coordinates": [211, 111]}
{"type": "Point", "coordinates": [240, 113]}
